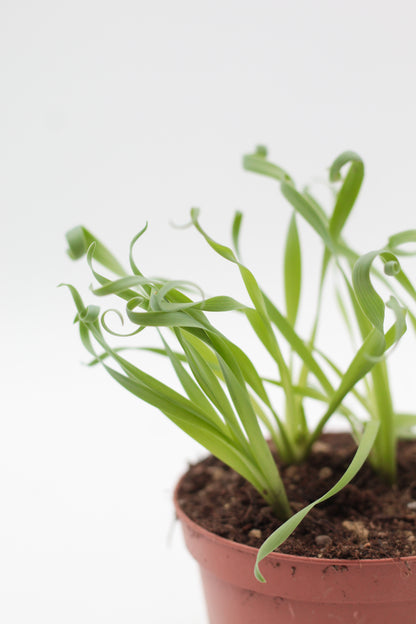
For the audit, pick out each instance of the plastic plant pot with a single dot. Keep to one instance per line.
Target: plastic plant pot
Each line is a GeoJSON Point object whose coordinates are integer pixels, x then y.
{"type": "Point", "coordinates": [300, 590]}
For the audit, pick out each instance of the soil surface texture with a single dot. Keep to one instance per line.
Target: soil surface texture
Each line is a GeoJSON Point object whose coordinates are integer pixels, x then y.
{"type": "Point", "coordinates": [368, 519]}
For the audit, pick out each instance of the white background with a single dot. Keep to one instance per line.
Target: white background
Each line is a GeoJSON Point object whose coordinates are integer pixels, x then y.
{"type": "Point", "coordinates": [114, 113]}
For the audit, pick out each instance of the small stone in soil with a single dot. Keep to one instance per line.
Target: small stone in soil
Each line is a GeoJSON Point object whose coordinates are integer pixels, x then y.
{"type": "Point", "coordinates": [216, 472]}
{"type": "Point", "coordinates": [321, 447]}
{"type": "Point", "coordinates": [412, 505]}
{"type": "Point", "coordinates": [325, 472]}
{"type": "Point", "coordinates": [323, 540]}
{"type": "Point", "coordinates": [255, 533]}
{"type": "Point", "coordinates": [357, 527]}
{"type": "Point", "coordinates": [382, 510]}
{"type": "Point", "coordinates": [292, 472]}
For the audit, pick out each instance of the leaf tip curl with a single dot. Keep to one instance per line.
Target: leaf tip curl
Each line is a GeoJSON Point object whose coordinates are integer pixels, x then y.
{"type": "Point", "coordinates": [261, 151]}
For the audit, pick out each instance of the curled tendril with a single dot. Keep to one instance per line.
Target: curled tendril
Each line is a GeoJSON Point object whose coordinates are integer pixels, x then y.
{"type": "Point", "coordinates": [137, 302]}
{"type": "Point", "coordinates": [258, 163]}
{"type": "Point", "coordinates": [89, 314]}
{"type": "Point", "coordinates": [120, 316]}
{"type": "Point", "coordinates": [134, 240]}
{"type": "Point", "coordinates": [392, 267]}
{"type": "Point", "coordinates": [183, 226]}
{"type": "Point", "coordinates": [342, 160]}
{"type": "Point", "coordinates": [261, 151]}
{"type": "Point", "coordinates": [157, 300]}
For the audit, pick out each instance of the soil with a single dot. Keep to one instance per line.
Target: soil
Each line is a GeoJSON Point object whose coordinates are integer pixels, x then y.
{"type": "Point", "coordinates": [368, 519]}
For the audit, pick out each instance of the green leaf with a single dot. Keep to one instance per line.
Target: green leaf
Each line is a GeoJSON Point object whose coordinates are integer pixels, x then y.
{"type": "Point", "coordinates": [260, 449]}
{"type": "Point", "coordinates": [283, 532]}
{"type": "Point", "coordinates": [200, 430]}
{"type": "Point", "coordinates": [192, 418]}
{"type": "Point", "coordinates": [79, 239]}
{"type": "Point", "coordinates": [401, 238]}
{"type": "Point", "coordinates": [79, 304]}
{"type": "Point", "coordinates": [162, 394]}
{"type": "Point", "coordinates": [305, 391]}
{"type": "Point", "coordinates": [207, 380]}
{"type": "Point", "coordinates": [120, 316]}
{"type": "Point", "coordinates": [155, 350]}
{"type": "Point", "coordinates": [222, 250]}
{"type": "Point", "coordinates": [297, 344]}
{"type": "Point", "coordinates": [121, 286]}
{"type": "Point", "coordinates": [370, 302]}
{"type": "Point", "coordinates": [348, 192]}
{"type": "Point", "coordinates": [400, 314]}
{"type": "Point", "coordinates": [316, 205]}
{"type": "Point", "coordinates": [238, 218]}
{"type": "Point", "coordinates": [302, 204]}
{"type": "Point", "coordinates": [292, 271]}
{"type": "Point", "coordinates": [308, 211]}
{"type": "Point", "coordinates": [213, 304]}
{"type": "Point", "coordinates": [258, 164]}
{"type": "Point", "coordinates": [191, 388]}
{"type": "Point", "coordinates": [258, 318]}
{"type": "Point", "coordinates": [160, 297]}
{"type": "Point", "coordinates": [405, 421]}
{"type": "Point", "coordinates": [133, 265]}
{"type": "Point", "coordinates": [161, 319]}
{"type": "Point", "coordinates": [390, 259]}
{"type": "Point", "coordinates": [105, 281]}
{"type": "Point", "coordinates": [363, 361]}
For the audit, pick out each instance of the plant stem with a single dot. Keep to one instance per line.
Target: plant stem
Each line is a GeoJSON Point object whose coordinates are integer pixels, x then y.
{"type": "Point", "coordinates": [279, 503]}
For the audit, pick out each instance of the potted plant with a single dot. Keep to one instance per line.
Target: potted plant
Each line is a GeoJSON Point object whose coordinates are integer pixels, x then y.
{"type": "Point", "coordinates": [273, 468]}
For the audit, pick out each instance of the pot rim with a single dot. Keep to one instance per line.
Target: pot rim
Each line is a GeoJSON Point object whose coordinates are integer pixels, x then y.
{"type": "Point", "coordinates": [276, 556]}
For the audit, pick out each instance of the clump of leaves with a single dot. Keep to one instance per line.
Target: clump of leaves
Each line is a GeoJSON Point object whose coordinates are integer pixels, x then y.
{"type": "Point", "coordinates": [226, 403]}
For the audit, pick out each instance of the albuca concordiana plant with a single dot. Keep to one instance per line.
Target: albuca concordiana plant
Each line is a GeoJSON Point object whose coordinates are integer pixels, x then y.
{"type": "Point", "coordinates": [225, 402]}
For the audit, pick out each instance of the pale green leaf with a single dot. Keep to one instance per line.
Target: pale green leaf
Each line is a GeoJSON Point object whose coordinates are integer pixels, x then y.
{"type": "Point", "coordinates": [283, 532]}
{"type": "Point", "coordinates": [79, 239]}
{"type": "Point", "coordinates": [292, 271]}
{"type": "Point", "coordinates": [348, 192]}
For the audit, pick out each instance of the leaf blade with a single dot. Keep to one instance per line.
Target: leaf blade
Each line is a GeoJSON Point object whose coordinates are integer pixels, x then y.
{"type": "Point", "coordinates": [283, 532]}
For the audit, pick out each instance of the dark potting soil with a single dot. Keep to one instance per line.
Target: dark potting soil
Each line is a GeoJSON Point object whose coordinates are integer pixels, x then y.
{"type": "Point", "coordinates": [366, 520]}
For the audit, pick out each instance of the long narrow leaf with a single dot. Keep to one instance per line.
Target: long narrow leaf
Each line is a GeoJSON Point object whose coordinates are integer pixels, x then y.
{"type": "Point", "coordinates": [210, 385]}
{"type": "Point", "coordinates": [302, 205]}
{"type": "Point", "coordinates": [200, 430]}
{"type": "Point", "coordinates": [191, 388]}
{"type": "Point", "coordinates": [283, 532]}
{"type": "Point", "coordinates": [297, 345]}
{"type": "Point", "coordinates": [238, 218]}
{"type": "Point", "coordinates": [258, 164]}
{"type": "Point", "coordinates": [258, 318]}
{"type": "Point", "coordinates": [364, 360]}
{"type": "Point", "coordinates": [292, 271]}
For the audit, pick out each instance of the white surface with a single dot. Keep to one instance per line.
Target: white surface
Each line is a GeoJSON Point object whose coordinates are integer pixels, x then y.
{"type": "Point", "coordinates": [113, 113]}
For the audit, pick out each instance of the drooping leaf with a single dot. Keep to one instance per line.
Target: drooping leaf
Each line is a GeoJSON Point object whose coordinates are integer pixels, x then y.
{"type": "Point", "coordinates": [79, 240]}
{"type": "Point", "coordinates": [283, 532]}
{"type": "Point", "coordinates": [258, 163]}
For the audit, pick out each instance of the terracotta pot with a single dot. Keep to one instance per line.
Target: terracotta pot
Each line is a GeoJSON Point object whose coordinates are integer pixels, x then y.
{"type": "Point", "coordinates": [301, 590]}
